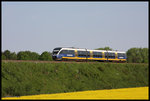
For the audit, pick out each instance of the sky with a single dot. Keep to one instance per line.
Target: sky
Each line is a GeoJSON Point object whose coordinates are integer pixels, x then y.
{"type": "Point", "coordinates": [43, 26]}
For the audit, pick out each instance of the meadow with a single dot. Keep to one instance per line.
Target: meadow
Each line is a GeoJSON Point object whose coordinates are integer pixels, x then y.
{"type": "Point", "coordinates": [27, 78]}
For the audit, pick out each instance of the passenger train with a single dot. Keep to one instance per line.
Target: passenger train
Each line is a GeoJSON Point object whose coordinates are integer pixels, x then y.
{"type": "Point", "coordinates": [79, 54]}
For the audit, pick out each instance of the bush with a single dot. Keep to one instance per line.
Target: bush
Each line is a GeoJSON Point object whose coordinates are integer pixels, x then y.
{"type": "Point", "coordinates": [45, 56]}
{"type": "Point", "coordinates": [27, 55]}
{"type": "Point", "coordinates": [23, 55]}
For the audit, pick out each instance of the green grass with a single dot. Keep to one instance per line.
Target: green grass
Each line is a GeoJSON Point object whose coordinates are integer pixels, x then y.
{"type": "Point", "coordinates": [25, 78]}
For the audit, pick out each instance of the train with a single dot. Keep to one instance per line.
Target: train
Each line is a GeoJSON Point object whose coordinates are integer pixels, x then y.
{"type": "Point", "coordinates": [83, 54]}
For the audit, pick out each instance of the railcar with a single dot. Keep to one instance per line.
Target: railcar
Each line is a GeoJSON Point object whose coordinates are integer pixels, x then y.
{"type": "Point", "coordinates": [78, 54]}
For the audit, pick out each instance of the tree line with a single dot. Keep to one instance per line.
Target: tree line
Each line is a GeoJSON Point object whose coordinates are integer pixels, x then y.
{"type": "Point", "coordinates": [26, 55]}
{"type": "Point", "coordinates": [134, 55]}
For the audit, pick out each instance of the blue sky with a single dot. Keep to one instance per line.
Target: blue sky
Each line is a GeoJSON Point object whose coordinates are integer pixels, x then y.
{"type": "Point", "coordinates": [42, 26]}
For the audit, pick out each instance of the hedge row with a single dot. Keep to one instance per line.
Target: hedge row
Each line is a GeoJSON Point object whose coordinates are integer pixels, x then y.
{"type": "Point", "coordinates": [26, 55]}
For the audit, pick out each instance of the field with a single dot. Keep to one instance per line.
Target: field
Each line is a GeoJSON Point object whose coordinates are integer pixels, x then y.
{"type": "Point", "coordinates": [32, 78]}
{"type": "Point", "coordinates": [124, 93]}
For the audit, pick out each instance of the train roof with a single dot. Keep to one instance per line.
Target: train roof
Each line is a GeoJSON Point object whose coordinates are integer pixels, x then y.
{"type": "Point", "coordinates": [83, 49]}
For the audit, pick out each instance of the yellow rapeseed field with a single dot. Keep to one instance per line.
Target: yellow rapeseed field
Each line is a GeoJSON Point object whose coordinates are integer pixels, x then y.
{"type": "Point", "coordinates": [124, 93]}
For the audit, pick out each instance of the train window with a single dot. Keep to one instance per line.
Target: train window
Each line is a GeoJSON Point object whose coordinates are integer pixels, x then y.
{"type": "Point", "coordinates": [71, 52]}
{"type": "Point", "coordinates": [97, 54]}
{"type": "Point", "coordinates": [67, 52]}
{"type": "Point", "coordinates": [84, 53]}
{"type": "Point", "coordinates": [121, 55]}
{"type": "Point", "coordinates": [57, 48]}
{"type": "Point", "coordinates": [63, 52]}
{"type": "Point", "coordinates": [111, 55]}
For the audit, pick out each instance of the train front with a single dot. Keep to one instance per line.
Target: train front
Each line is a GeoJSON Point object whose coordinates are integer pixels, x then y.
{"type": "Point", "coordinates": [55, 53]}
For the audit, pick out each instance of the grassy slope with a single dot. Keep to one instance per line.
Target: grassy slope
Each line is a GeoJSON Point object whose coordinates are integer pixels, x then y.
{"type": "Point", "coordinates": [44, 78]}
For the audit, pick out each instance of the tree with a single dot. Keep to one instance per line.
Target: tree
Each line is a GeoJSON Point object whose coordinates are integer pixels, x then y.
{"type": "Point", "coordinates": [7, 54]}
{"type": "Point", "coordinates": [13, 56]}
{"type": "Point", "coordinates": [34, 56]}
{"type": "Point", "coordinates": [145, 55]}
{"type": "Point", "coordinates": [27, 55]}
{"type": "Point", "coordinates": [23, 56]}
{"type": "Point", "coordinates": [3, 57]}
{"type": "Point", "coordinates": [45, 56]}
{"type": "Point", "coordinates": [137, 55]}
{"type": "Point", "coordinates": [105, 48]}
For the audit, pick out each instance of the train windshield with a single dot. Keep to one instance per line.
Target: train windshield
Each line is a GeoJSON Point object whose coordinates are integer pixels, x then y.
{"type": "Point", "coordinates": [56, 50]}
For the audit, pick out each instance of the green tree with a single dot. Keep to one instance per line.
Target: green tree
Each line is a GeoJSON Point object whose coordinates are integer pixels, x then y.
{"type": "Point", "coordinates": [145, 55]}
{"type": "Point", "coordinates": [7, 54]}
{"type": "Point", "coordinates": [105, 48]}
{"type": "Point", "coordinates": [3, 57]}
{"type": "Point", "coordinates": [13, 56]}
{"type": "Point", "coordinates": [137, 55]}
{"type": "Point", "coordinates": [23, 55]}
{"type": "Point", "coordinates": [34, 56]}
{"type": "Point", "coordinates": [45, 56]}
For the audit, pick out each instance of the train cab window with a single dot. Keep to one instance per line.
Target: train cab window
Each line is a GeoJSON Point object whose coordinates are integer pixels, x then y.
{"type": "Point", "coordinates": [56, 50]}
{"type": "Point", "coordinates": [97, 54]}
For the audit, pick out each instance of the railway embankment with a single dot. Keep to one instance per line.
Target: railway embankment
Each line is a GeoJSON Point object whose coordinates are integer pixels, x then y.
{"type": "Point", "coordinates": [32, 78]}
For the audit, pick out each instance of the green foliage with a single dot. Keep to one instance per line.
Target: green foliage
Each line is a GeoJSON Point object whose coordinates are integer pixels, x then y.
{"type": "Point", "coordinates": [13, 56]}
{"type": "Point", "coordinates": [7, 53]}
{"type": "Point", "coordinates": [105, 48]}
{"type": "Point", "coordinates": [34, 56]}
{"type": "Point", "coordinates": [23, 55]}
{"type": "Point", "coordinates": [137, 55]}
{"type": "Point", "coordinates": [27, 55]}
{"type": "Point", "coordinates": [45, 56]}
{"type": "Point", "coordinates": [26, 78]}
{"type": "Point", "coordinates": [3, 57]}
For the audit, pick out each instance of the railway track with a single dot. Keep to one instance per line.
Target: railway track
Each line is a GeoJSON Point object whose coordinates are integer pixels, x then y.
{"type": "Point", "coordinates": [38, 61]}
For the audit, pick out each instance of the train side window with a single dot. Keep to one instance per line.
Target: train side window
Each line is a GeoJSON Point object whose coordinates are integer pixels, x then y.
{"type": "Point", "coordinates": [121, 54]}
{"type": "Point", "coordinates": [97, 54]}
{"type": "Point", "coordinates": [82, 53]}
{"type": "Point", "coordinates": [71, 52]}
{"type": "Point", "coordinates": [63, 52]}
{"type": "Point", "coordinates": [111, 55]}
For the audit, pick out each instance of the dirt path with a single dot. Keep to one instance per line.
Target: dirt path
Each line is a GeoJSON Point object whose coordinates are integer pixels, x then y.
{"type": "Point", "coordinates": [38, 61]}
